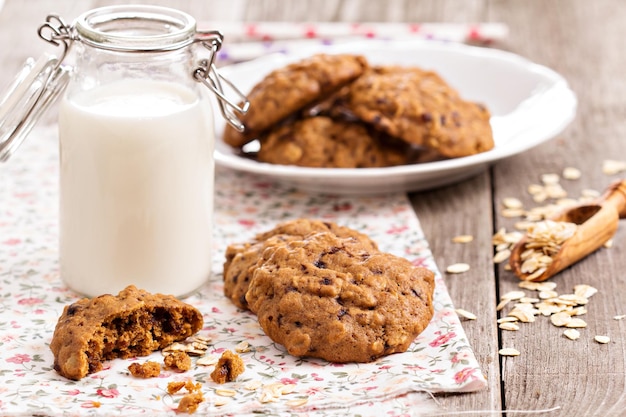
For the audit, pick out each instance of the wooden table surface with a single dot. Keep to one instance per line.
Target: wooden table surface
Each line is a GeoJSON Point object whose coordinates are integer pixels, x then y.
{"type": "Point", "coordinates": [580, 39]}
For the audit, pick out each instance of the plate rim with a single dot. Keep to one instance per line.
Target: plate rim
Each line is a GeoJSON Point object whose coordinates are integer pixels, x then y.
{"type": "Point", "coordinates": [289, 173]}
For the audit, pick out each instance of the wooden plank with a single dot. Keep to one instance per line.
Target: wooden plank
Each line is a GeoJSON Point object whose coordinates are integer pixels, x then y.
{"type": "Point", "coordinates": [579, 40]}
{"type": "Point", "coordinates": [465, 208]}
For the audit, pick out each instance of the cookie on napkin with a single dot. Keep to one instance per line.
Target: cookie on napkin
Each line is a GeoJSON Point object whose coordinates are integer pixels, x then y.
{"type": "Point", "coordinates": [133, 323]}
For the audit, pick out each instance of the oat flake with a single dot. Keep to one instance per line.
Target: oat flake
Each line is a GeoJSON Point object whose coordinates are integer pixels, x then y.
{"type": "Point", "coordinates": [458, 268]}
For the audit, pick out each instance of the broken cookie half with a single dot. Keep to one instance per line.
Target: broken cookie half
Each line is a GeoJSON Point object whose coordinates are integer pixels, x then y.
{"type": "Point", "coordinates": [133, 323]}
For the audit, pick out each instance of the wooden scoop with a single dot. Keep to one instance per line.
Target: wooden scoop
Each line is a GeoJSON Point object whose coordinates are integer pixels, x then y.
{"type": "Point", "coordinates": [597, 223]}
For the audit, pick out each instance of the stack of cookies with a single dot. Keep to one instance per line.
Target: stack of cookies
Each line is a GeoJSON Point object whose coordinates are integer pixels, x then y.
{"type": "Point", "coordinates": [338, 111]}
{"type": "Point", "coordinates": [327, 291]}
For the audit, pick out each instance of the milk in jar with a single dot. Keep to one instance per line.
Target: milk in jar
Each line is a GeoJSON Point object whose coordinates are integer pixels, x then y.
{"type": "Point", "coordinates": [136, 188]}
{"type": "Point", "coordinates": [136, 139]}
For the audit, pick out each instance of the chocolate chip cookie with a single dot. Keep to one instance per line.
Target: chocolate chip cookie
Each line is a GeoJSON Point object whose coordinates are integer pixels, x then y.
{"type": "Point", "coordinates": [337, 299]}
{"type": "Point", "coordinates": [133, 323]}
{"type": "Point", "coordinates": [242, 259]}
{"type": "Point", "coordinates": [419, 107]}
{"type": "Point", "coordinates": [323, 142]}
{"type": "Point", "coordinates": [289, 89]}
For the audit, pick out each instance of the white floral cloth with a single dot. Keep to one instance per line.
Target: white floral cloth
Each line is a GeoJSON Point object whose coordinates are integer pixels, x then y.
{"type": "Point", "coordinates": [32, 297]}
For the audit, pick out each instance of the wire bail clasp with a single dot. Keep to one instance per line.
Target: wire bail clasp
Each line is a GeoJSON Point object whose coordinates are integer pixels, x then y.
{"type": "Point", "coordinates": [207, 74]}
{"type": "Point", "coordinates": [55, 31]}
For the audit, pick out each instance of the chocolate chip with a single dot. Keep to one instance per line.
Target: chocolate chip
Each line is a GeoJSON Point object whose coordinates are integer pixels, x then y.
{"type": "Point", "coordinates": [320, 264]}
{"type": "Point", "coordinates": [72, 309]}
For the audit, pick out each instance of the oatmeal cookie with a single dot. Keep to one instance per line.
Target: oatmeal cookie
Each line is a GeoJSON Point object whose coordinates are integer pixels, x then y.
{"type": "Point", "coordinates": [133, 323]}
{"type": "Point", "coordinates": [242, 259]}
{"type": "Point", "coordinates": [289, 89]}
{"type": "Point", "coordinates": [334, 298]}
{"type": "Point", "coordinates": [323, 142]}
{"type": "Point", "coordinates": [421, 108]}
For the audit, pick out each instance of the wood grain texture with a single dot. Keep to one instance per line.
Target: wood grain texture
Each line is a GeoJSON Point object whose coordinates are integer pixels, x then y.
{"type": "Point", "coordinates": [581, 39]}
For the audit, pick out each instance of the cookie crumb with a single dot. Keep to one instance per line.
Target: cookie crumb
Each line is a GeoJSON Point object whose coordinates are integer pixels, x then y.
{"type": "Point", "coordinates": [228, 368]}
{"type": "Point", "coordinates": [175, 386]}
{"type": "Point", "coordinates": [178, 361]}
{"type": "Point", "coordinates": [147, 369]}
{"type": "Point", "coordinates": [190, 402]}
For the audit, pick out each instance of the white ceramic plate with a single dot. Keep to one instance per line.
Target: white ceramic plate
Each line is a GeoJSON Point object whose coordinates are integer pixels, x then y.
{"type": "Point", "coordinates": [529, 104]}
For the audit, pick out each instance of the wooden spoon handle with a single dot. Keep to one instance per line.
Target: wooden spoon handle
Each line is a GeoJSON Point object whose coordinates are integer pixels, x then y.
{"type": "Point", "coordinates": [615, 195]}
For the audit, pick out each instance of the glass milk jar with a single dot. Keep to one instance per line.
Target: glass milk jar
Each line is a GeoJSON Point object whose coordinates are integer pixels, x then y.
{"type": "Point", "coordinates": [136, 141]}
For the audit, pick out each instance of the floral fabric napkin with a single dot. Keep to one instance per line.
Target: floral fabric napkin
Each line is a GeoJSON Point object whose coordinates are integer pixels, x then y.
{"type": "Point", "coordinates": [33, 296]}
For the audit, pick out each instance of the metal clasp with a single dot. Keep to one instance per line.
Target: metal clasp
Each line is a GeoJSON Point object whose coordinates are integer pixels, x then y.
{"type": "Point", "coordinates": [38, 84]}
{"type": "Point", "coordinates": [58, 33]}
{"type": "Point", "coordinates": [207, 74]}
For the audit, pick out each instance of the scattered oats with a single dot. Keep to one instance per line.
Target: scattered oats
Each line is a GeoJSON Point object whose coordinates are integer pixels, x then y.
{"type": "Point", "coordinates": [566, 202]}
{"type": "Point", "coordinates": [540, 197]}
{"type": "Point", "coordinates": [529, 285]}
{"type": "Point", "coordinates": [267, 397]}
{"type": "Point", "coordinates": [272, 392]}
{"type": "Point", "coordinates": [498, 237]}
{"type": "Point", "coordinates": [550, 179]}
{"type": "Point", "coordinates": [507, 267]}
{"type": "Point", "coordinates": [507, 319]}
{"type": "Point", "coordinates": [501, 256]}
{"type": "Point", "coordinates": [503, 246]}
{"type": "Point", "coordinates": [457, 268]}
{"type": "Point", "coordinates": [512, 212]}
{"type": "Point", "coordinates": [589, 193]}
{"type": "Point", "coordinates": [253, 385]}
{"type": "Point", "coordinates": [297, 402]}
{"type": "Point", "coordinates": [223, 392]}
{"type": "Point", "coordinates": [524, 225]}
{"type": "Point", "coordinates": [602, 339]}
{"type": "Point", "coordinates": [508, 352]}
{"type": "Point", "coordinates": [175, 347]}
{"type": "Point", "coordinates": [513, 295]}
{"type": "Point", "coordinates": [572, 334]}
{"type": "Point", "coordinates": [546, 286]}
{"type": "Point", "coordinates": [208, 360]}
{"type": "Point", "coordinates": [576, 323]}
{"type": "Point", "coordinates": [555, 191]}
{"type": "Point", "coordinates": [287, 389]}
{"type": "Point", "coordinates": [201, 339]}
{"type": "Point", "coordinates": [574, 298]}
{"type": "Point", "coordinates": [522, 315]}
{"type": "Point", "coordinates": [578, 311]}
{"type": "Point", "coordinates": [535, 189]}
{"type": "Point", "coordinates": [584, 290]}
{"type": "Point", "coordinates": [465, 314]}
{"type": "Point", "coordinates": [508, 326]}
{"type": "Point", "coordinates": [620, 317]}
{"type": "Point", "coordinates": [612, 167]}
{"type": "Point", "coordinates": [536, 274]}
{"type": "Point", "coordinates": [220, 401]}
{"type": "Point", "coordinates": [529, 300]}
{"type": "Point", "coordinates": [547, 294]}
{"type": "Point", "coordinates": [512, 203]}
{"type": "Point", "coordinates": [608, 244]}
{"type": "Point", "coordinates": [571, 173]}
{"type": "Point", "coordinates": [242, 347]}
{"type": "Point", "coordinates": [560, 319]}
{"type": "Point", "coordinates": [546, 309]}
{"type": "Point", "coordinates": [502, 304]}
{"type": "Point", "coordinates": [462, 238]}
